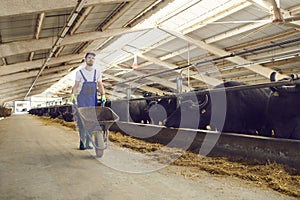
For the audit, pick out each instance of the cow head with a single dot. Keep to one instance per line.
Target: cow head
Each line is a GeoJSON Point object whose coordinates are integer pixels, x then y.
{"type": "Point", "coordinates": [277, 90]}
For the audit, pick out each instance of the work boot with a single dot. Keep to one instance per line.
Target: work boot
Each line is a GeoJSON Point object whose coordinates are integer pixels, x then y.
{"type": "Point", "coordinates": [81, 146]}
{"type": "Point", "coordinates": [87, 144]}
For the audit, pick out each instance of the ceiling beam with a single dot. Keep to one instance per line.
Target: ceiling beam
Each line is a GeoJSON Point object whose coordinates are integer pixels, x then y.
{"type": "Point", "coordinates": [196, 25]}
{"type": "Point", "coordinates": [71, 19]}
{"type": "Point", "coordinates": [259, 42]}
{"type": "Point", "coordinates": [81, 19]}
{"type": "Point", "coordinates": [164, 82]}
{"type": "Point", "coordinates": [26, 81]}
{"type": "Point", "coordinates": [35, 64]}
{"type": "Point", "coordinates": [202, 77]}
{"type": "Point", "coordinates": [41, 87]}
{"type": "Point", "coordinates": [94, 35]}
{"type": "Point", "coordinates": [4, 61]}
{"type": "Point", "coordinates": [295, 10]}
{"type": "Point", "coordinates": [31, 54]}
{"type": "Point", "coordinates": [235, 32]}
{"type": "Point", "coordinates": [19, 96]}
{"type": "Point", "coordinates": [213, 15]}
{"type": "Point", "coordinates": [38, 29]}
{"type": "Point", "coordinates": [282, 52]}
{"type": "Point", "coordinates": [25, 46]}
{"type": "Point", "coordinates": [58, 51]}
{"type": "Point", "coordinates": [159, 61]}
{"type": "Point", "coordinates": [125, 7]}
{"type": "Point", "coordinates": [276, 10]}
{"type": "Point", "coordinates": [266, 72]}
{"type": "Point", "coordinates": [216, 38]}
{"type": "Point", "coordinates": [145, 88]}
{"type": "Point", "coordinates": [17, 7]}
{"type": "Point", "coordinates": [31, 74]}
{"type": "Point", "coordinates": [22, 83]}
{"type": "Point", "coordinates": [263, 4]}
{"type": "Point", "coordinates": [39, 24]}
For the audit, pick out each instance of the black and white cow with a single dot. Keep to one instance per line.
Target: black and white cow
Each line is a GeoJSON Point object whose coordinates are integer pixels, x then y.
{"type": "Point", "coordinates": [238, 111]}
{"type": "Point", "coordinates": [66, 113]}
{"type": "Point", "coordinates": [133, 110]}
{"type": "Point", "coordinates": [161, 109]}
{"type": "Point", "coordinates": [53, 112]}
{"type": "Point", "coordinates": [283, 112]}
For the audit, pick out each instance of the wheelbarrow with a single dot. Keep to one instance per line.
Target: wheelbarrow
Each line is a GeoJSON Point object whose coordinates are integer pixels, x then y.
{"type": "Point", "coordinates": [97, 120]}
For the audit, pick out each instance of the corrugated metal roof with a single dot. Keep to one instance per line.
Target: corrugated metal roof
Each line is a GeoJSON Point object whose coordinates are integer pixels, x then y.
{"type": "Point", "coordinates": [181, 32]}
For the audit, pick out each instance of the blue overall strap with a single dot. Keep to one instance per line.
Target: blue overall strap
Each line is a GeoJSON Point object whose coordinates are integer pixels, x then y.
{"type": "Point", "coordinates": [94, 76]}
{"type": "Point", "coordinates": [83, 76]}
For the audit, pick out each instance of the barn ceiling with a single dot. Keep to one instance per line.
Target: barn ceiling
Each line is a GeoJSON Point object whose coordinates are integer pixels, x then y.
{"type": "Point", "coordinates": [145, 45]}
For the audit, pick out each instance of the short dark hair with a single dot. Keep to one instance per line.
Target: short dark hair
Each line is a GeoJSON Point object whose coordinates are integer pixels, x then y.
{"type": "Point", "coordinates": [90, 53]}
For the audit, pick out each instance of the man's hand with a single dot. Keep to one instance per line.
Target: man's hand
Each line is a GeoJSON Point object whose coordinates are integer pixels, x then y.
{"type": "Point", "coordinates": [72, 98]}
{"type": "Point", "coordinates": [103, 99]}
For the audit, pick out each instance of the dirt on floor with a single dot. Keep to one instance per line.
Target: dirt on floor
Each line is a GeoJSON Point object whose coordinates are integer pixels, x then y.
{"type": "Point", "coordinates": [281, 178]}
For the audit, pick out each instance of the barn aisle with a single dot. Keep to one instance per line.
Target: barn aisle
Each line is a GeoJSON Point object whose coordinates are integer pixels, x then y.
{"type": "Point", "coordinates": [39, 161]}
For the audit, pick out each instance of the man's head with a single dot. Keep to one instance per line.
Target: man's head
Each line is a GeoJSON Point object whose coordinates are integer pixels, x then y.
{"type": "Point", "coordinates": [90, 58]}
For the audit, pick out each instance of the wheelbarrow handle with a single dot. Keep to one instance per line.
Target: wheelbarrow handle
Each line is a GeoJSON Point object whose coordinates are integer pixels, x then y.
{"type": "Point", "coordinates": [75, 107]}
{"type": "Point", "coordinates": [101, 103]}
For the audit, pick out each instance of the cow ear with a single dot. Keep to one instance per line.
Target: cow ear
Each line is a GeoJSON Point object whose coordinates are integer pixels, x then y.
{"type": "Point", "coordinates": [295, 76]}
{"type": "Point", "coordinates": [274, 89]}
{"type": "Point", "coordinates": [273, 77]}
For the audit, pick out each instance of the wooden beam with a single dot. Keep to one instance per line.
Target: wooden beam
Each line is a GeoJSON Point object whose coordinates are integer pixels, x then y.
{"type": "Point", "coordinates": [17, 7]}
{"type": "Point", "coordinates": [19, 96]}
{"type": "Point", "coordinates": [26, 84]}
{"type": "Point", "coordinates": [81, 19]}
{"type": "Point", "coordinates": [58, 51]}
{"type": "Point", "coordinates": [39, 24]}
{"type": "Point", "coordinates": [25, 46]}
{"type": "Point", "coordinates": [156, 79]}
{"type": "Point", "coordinates": [200, 77]}
{"type": "Point", "coordinates": [31, 74]}
{"type": "Point", "coordinates": [145, 88]}
{"type": "Point", "coordinates": [220, 52]}
{"type": "Point", "coordinates": [32, 65]}
{"type": "Point", "coordinates": [218, 13]}
{"type": "Point", "coordinates": [31, 56]}
{"type": "Point", "coordinates": [4, 61]}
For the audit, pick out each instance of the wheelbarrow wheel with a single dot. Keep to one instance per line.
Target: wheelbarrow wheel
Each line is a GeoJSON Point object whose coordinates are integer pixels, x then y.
{"type": "Point", "coordinates": [99, 141]}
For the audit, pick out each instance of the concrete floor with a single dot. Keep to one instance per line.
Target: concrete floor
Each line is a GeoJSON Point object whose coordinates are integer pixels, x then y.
{"type": "Point", "coordinates": [39, 161]}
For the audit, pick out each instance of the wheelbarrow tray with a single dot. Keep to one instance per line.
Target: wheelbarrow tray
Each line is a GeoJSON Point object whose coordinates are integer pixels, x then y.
{"type": "Point", "coordinates": [97, 117]}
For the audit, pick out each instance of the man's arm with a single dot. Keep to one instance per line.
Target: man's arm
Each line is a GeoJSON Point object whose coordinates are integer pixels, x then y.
{"type": "Point", "coordinates": [101, 88]}
{"type": "Point", "coordinates": [102, 92]}
{"type": "Point", "coordinates": [74, 91]}
{"type": "Point", "coordinates": [75, 87]}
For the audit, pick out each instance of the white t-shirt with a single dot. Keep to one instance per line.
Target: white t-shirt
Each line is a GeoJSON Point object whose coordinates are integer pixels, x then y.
{"type": "Point", "coordinates": [89, 75]}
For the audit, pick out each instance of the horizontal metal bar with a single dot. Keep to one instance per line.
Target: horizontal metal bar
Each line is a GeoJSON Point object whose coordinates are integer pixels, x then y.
{"type": "Point", "coordinates": [235, 88]}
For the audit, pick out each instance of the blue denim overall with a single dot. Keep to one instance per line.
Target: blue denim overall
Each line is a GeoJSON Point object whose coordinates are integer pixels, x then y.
{"type": "Point", "coordinates": [88, 94]}
{"type": "Point", "coordinates": [86, 98]}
